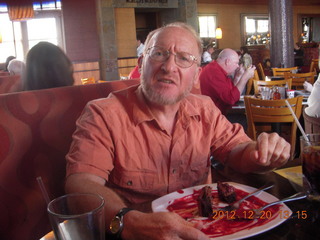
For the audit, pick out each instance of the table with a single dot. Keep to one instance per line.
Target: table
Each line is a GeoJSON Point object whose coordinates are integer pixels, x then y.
{"type": "Point", "coordinates": [295, 227]}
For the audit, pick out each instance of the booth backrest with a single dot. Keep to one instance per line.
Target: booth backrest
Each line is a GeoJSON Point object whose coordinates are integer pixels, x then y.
{"type": "Point", "coordinates": [10, 83]}
{"type": "Point", "coordinates": [35, 134]}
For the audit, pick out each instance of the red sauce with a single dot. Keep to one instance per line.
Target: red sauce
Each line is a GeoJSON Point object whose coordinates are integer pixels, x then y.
{"type": "Point", "coordinates": [224, 223]}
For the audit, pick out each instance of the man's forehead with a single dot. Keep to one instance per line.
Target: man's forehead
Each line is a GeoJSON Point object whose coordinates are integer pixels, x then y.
{"type": "Point", "coordinates": [163, 36]}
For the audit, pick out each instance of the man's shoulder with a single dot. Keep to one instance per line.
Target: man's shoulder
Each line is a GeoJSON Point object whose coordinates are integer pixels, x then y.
{"type": "Point", "coordinates": [199, 101]}
{"type": "Point", "coordinates": [116, 99]}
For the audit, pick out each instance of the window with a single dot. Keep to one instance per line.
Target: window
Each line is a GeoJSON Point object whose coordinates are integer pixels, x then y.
{"type": "Point", "coordinates": [207, 26]}
{"type": "Point", "coordinates": [207, 29]}
{"type": "Point", "coordinates": [255, 29]}
{"type": "Point", "coordinates": [19, 36]}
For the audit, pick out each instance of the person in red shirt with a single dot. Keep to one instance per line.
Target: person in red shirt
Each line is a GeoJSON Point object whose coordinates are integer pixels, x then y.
{"type": "Point", "coordinates": [224, 80]}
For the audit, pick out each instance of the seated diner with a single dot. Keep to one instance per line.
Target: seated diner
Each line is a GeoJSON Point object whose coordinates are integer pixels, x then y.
{"type": "Point", "coordinates": [159, 139]}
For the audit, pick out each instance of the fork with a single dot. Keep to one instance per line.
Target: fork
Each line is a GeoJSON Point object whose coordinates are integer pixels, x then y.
{"type": "Point", "coordinates": [236, 205]}
{"type": "Point", "coordinates": [297, 196]}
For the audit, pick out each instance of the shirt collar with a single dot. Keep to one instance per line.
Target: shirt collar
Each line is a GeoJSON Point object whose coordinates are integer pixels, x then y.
{"type": "Point", "coordinates": [141, 112]}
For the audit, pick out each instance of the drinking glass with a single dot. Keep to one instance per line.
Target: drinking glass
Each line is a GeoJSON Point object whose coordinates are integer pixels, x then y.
{"type": "Point", "coordinates": [77, 216]}
{"type": "Point", "coordinates": [310, 153]}
{"type": "Point", "coordinates": [265, 93]}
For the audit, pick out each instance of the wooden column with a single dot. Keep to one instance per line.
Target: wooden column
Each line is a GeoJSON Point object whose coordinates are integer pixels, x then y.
{"type": "Point", "coordinates": [281, 28]}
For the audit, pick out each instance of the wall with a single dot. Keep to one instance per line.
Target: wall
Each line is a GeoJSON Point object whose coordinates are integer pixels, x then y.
{"type": "Point", "coordinates": [80, 27]}
{"type": "Point", "coordinates": [126, 32]}
{"type": "Point", "coordinates": [229, 19]}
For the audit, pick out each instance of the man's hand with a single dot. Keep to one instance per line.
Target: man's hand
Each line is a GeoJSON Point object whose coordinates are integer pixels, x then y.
{"type": "Point", "coordinates": [272, 150]}
{"type": "Point", "coordinates": [268, 152]}
{"type": "Point", "coordinates": [164, 226]}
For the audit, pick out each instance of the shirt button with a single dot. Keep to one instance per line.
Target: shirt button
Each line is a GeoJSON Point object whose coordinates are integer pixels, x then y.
{"type": "Point", "coordinates": [173, 171]}
{"type": "Point", "coordinates": [129, 183]}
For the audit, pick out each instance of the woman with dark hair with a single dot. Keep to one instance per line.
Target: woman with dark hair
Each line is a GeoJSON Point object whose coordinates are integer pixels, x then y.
{"type": "Point", "coordinates": [47, 66]}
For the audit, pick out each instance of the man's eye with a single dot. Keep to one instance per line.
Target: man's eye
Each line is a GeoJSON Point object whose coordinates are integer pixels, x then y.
{"type": "Point", "coordinates": [157, 54]}
{"type": "Point", "coordinates": [184, 57]}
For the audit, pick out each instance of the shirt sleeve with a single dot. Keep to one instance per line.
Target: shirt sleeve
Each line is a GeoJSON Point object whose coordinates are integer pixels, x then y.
{"type": "Point", "coordinates": [91, 151]}
{"type": "Point", "coordinates": [225, 135]}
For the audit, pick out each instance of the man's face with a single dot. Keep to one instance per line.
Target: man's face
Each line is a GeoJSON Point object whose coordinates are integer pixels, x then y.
{"type": "Point", "coordinates": [165, 82]}
{"type": "Point", "coordinates": [233, 64]}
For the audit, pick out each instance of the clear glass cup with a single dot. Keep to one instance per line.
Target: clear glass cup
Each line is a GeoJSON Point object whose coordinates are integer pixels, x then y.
{"type": "Point", "coordinates": [310, 154]}
{"type": "Point", "coordinates": [265, 93]}
{"type": "Point", "coordinates": [77, 216]}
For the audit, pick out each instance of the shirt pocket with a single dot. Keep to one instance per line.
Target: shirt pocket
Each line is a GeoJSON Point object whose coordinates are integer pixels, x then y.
{"type": "Point", "coordinates": [136, 180]}
{"type": "Point", "coordinates": [196, 174]}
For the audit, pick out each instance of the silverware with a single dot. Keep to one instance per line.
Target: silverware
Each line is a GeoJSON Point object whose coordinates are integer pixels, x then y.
{"type": "Point", "coordinates": [236, 205]}
{"type": "Point", "coordinates": [255, 213]}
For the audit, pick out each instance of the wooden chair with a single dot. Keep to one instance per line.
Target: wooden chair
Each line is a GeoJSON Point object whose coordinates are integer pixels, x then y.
{"type": "Point", "coordinates": [299, 78]}
{"type": "Point", "coordinates": [314, 66]}
{"type": "Point", "coordinates": [250, 82]}
{"type": "Point", "coordinates": [270, 84]}
{"type": "Point", "coordinates": [265, 112]}
{"type": "Point", "coordinates": [261, 71]}
{"type": "Point", "coordinates": [281, 71]}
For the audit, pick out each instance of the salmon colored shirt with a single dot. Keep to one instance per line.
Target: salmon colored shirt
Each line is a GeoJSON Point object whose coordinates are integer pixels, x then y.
{"type": "Point", "coordinates": [118, 139]}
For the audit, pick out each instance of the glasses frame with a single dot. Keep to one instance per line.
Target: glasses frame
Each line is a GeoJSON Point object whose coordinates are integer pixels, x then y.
{"type": "Point", "coordinates": [167, 54]}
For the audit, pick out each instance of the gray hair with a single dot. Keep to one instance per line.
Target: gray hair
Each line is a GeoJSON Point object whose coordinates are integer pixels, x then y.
{"type": "Point", "coordinates": [16, 67]}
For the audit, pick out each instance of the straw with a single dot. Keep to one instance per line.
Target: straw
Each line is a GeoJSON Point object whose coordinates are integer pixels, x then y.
{"type": "Point", "coordinates": [43, 190]}
{"type": "Point", "coordinates": [298, 123]}
{"type": "Point", "coordinates": [46, 197]}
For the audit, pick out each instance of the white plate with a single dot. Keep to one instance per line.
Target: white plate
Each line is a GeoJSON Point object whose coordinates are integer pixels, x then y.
{"type": "Point", "coordinates": [161, 204]}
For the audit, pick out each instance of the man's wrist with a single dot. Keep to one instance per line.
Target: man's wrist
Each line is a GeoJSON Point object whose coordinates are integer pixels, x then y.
{"type": "Point", "coordinates": [117, 225]}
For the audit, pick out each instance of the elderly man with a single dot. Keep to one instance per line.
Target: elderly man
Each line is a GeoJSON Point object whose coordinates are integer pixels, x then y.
{"type": "Point", "coordinates": [216, 79]}
{"type": "Point", "coordinates": [155, 138]}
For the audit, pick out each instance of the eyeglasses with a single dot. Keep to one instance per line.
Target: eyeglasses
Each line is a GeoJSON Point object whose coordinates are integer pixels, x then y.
{"type": "Point", "coordinates": [182, 59]}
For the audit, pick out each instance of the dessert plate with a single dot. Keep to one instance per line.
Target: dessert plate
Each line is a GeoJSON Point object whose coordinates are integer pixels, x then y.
{"type": "Point", "coordinates": [230, 229]}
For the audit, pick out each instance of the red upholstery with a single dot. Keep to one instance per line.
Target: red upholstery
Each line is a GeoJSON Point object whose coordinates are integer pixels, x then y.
{"type": "Point", "coordinates": [10, 83]}
{"type": "Point", "coordinates": [35, 134]}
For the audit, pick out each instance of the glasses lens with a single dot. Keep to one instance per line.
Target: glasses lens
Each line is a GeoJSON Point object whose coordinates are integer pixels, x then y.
{"type": "Point", "coordinates": [184, 59]}
{"type": "Point", "coordinates": [158, 54]}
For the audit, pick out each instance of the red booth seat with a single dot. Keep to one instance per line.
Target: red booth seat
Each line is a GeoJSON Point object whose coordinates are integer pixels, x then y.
{"type": "Point", "coordinates": [35, 135]}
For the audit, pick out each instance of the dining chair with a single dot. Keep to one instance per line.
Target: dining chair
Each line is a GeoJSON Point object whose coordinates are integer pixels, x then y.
{"type": "Point", "coordinates": [299, 78]}
{"type": "Point", "coordinates": [261, 114]}
{"type": "Point", "coordinates": [281, 71]}
{"type": "Point", "coordinates": [261, 71]}
{"type": "Point", "coordinates": [314, 66]}
{"type": "Point", "coordinates": [250, 82]}
{"type": "Point", "coordinates": [279, 83]}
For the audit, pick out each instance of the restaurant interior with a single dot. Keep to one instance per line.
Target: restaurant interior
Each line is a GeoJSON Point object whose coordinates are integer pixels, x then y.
{"type": "Point", "coordinates": [100, 39]}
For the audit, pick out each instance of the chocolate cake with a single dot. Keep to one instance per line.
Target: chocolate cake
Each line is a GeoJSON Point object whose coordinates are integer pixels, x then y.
{"type": "Point", "coordinates": [226, 192]}
{"type": "Point", "coordinates": [205, 202]}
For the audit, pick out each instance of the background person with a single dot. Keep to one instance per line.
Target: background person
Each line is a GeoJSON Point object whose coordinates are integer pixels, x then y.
{"type": "Point", "coordinates": [313, 109]}
{"type": "Point", "coordinates": [224, 80]}
{"type": "Point", "coordinates": [7, 62]}
{"type": "Point", "coordinates": [16, 67]}
{"type": "Point", "coordinates": [158, 139]}
{"type": "Point", "coordinates": [140, 46]}
{"type": "Point", "coordinates": [207, 54]}
{"type": "Point", "coordinates": [47, 66]}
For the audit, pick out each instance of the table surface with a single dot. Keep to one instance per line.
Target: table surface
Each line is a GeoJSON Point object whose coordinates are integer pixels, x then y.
{"type": "Point", "coordinates": [295, 227]}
